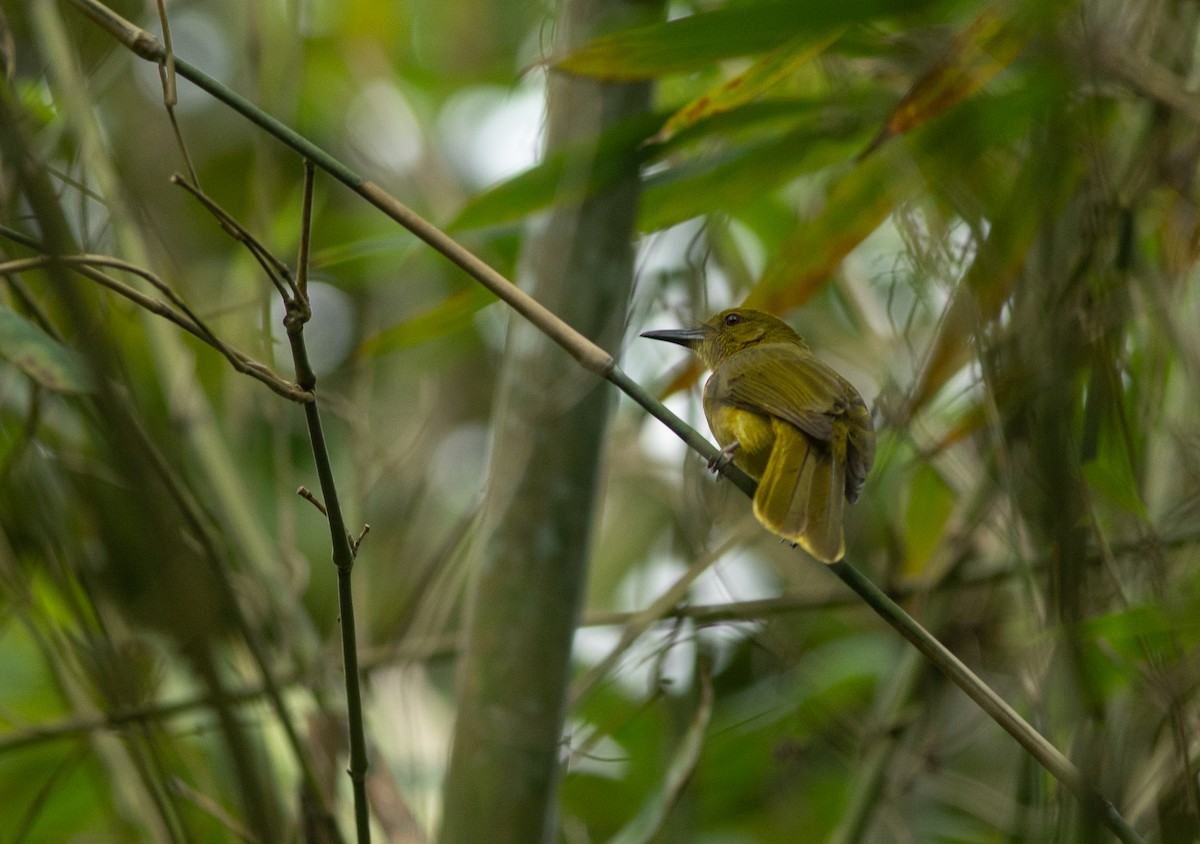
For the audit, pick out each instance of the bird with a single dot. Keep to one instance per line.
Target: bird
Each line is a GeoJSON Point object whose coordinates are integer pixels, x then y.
{"type": "Point", "coordinates": [788, 420]}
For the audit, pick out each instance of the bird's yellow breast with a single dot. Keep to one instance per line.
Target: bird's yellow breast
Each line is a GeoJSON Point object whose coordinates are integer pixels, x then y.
{"type": "Point", "coordinates": [754, 432]}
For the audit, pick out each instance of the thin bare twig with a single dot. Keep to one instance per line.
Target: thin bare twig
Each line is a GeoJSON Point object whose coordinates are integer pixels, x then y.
{"type": "Point", "coordinates": [166, 72]}
{"type": "Point", "coordinates": [641, 621]}
{"type": "Point", "coordinates": [358, 540]}
{"type": "Point", "coordinates": [1156, 81]}
{"type": "Point", "coordinates": [275, 269]}
{"type": "Point", "coordinates": [310, 172]}
{"type": "Point", "coordinates": [306, 493]}
{"type": "Point", "coordinates": [212, 808]}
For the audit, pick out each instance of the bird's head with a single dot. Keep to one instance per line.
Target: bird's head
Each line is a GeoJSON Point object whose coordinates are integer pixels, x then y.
{"type": "Point", "coordinates": [728, 333]}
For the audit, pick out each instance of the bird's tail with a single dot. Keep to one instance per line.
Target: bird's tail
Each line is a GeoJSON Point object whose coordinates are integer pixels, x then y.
{"type": "Point", "coordinates": [802, 492]}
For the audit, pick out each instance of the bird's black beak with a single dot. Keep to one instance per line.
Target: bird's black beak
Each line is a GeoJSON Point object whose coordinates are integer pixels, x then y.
{"type": "Point", "coordinates": [689, 337]}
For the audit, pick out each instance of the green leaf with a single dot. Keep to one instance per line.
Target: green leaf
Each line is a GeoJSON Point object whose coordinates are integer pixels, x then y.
{"type": "Point", "coordinates": [40, 356]}
{"type": "Point", "coordinates": [1113, 479]}
{"type": "Point", "coordinates": [1130, 628]}
{"type": "Point", "coordinates": [735, 177]}
{"type": "Point", "coordinates": [397, 247]}
{"type": "Point", "coordinates": [697, 41]}
{"type": "Point", "coordinates": [1108, 464]}
{"type": "Point", "coordinates": [979, 52]}
{"type": "Point", "coordinates": [930, 503]}
{"type": "Point", "coordinates": [450, 315]}
{"type": "Point", "coordinates": [748, 166]}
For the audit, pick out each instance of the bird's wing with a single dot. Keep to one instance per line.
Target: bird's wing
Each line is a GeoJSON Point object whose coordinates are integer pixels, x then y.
{"type": "Point", "coordinates": [807, 393]}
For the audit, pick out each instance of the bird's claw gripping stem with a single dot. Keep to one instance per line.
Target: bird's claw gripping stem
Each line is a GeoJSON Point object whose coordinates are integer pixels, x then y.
{"type": "Point", "coordinates": [722, 459]}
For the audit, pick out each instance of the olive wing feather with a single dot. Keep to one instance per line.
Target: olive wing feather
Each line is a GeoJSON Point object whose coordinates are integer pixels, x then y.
{"type": "Point", "coordinates": [789, 382]}
{"type": "Point", "coordinates": [784, 381]}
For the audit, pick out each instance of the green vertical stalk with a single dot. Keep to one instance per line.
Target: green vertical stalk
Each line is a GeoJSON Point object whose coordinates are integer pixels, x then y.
{"type": "Point", "coordinates": [551, 417]}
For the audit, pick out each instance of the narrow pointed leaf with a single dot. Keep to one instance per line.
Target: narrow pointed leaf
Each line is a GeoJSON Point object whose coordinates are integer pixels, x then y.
{"type": "Point", "coordinates": [695, 42]}
{"type": "Point", "coordinates": [452, 314]}
{"type": "Point", "coordinates": [761, 76]}
{"type": "Point", "coordinates": [979, 52]}
{"type": "Point", "coordinates": [552, 181]}
{"type": "Point", "coordinates": [930, 503]}
{"type": "Point", "coordinates": [737, 176]}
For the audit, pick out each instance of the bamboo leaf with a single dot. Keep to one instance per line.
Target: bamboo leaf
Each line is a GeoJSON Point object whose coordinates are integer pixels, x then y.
{"type": "Point", "coordinates": [725, 179]}
{"type": "Point", "coordinates": [546, 183]}
{"type": "Point", "coordinates": [735, 177]}
{"type": "Point", "coordinates": [1113, 479]}
{"type": "Point", "coordinates": [694, 42]}
{"type": "Point", "coordinates": [397, 247]}
{"type": "Point", "coordinates": [761, 76]}
{"type": "Point", "coordinates": [930, 503]}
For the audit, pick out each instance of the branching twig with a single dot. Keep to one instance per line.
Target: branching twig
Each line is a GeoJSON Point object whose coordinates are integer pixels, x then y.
{"type": "Point", "coordinates": [275, 269]}
{"type": "Point", "coordinates": [134, 444]}
{"type": "Point", "coordinates": [355, 541]}
{"type": "Point", "coordinates": [167, 68]}
{"type": "Point", "coordinates": [85, 265]}
{"type": "Point", "coordinates": [297, 315]}
{"type": "Point", "coordinates": [358, 540]}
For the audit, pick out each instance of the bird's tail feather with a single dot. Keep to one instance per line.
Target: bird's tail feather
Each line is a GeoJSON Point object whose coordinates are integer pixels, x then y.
{"type": "Point", "coordinates": [800, 495]}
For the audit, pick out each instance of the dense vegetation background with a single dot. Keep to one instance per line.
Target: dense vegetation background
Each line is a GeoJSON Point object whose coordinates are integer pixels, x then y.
{"type": "Point", "coordinates": [984, 215]}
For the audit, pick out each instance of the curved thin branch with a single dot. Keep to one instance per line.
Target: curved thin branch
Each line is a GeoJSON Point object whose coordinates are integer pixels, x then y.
{"type": "Point", "coordinates": [180, 314]}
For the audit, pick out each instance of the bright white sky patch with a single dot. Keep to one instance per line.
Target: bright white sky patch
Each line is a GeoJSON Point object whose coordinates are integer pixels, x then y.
{"type": "Point", "coordinates": [492, 133]}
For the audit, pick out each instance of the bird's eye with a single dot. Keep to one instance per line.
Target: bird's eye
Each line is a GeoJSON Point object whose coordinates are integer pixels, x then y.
{"type": "Point", "coordinates": [733, 319]}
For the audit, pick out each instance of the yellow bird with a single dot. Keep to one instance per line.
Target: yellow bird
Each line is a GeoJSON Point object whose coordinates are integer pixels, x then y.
{"type": "Point", "coordinates": [787, 420]}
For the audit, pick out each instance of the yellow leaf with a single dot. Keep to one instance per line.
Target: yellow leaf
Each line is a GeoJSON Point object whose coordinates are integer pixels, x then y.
{"type": "Point", "coordinates": [763, 74]}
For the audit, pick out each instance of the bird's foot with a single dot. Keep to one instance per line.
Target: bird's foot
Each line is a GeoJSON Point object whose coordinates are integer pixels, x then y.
{"type": "Point", "coordinates": [715, 464]}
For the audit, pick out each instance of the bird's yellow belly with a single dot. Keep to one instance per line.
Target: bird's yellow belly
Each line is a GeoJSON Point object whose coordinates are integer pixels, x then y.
{"type": "Point", "coordinates": [753, 431]}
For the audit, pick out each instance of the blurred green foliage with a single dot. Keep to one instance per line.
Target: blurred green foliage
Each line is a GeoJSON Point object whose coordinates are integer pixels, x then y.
{"type": "Point", "coordinates": [984, 214]}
